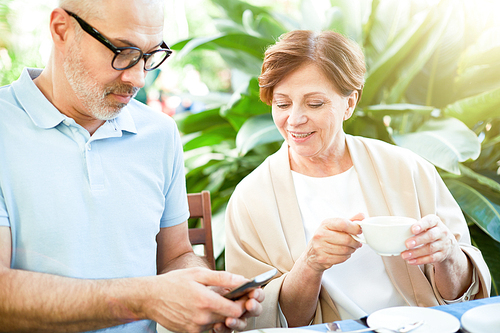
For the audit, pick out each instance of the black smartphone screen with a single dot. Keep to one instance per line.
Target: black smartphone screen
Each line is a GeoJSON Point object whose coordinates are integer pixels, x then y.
{"type": "Point", "coordinates": [256, 282]}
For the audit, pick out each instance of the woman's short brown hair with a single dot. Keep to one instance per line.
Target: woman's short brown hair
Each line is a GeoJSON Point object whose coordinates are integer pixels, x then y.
{"type": "Point", "coordinates": [341, 60]}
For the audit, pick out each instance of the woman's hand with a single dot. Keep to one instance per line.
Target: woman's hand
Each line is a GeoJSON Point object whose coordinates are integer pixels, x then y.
{"type": "Point", "coordinates": [332, 243]}
{"type": "Point", "coordinates": [433, 242]}
{"type": "Point", "coordinates": [253, 308]}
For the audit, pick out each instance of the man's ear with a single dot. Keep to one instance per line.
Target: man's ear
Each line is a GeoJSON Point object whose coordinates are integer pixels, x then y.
{"type": "Point", "coordinates": [352, 100]}
{"type": "Point", "coordinates": [60, 25]}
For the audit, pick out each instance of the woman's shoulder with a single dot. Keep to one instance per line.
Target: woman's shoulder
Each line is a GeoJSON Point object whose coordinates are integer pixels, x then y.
{"type": "Point", "coordinates": [260, 177]}
{"type": "Point", "coordinates": [382, 147]}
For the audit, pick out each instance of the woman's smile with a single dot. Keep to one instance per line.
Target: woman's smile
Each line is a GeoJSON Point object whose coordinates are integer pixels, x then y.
{"type": "Point", "coordinates": [300, 135]}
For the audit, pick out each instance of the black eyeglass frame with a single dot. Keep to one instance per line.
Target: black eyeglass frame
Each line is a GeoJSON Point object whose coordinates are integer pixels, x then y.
{"type": "Point", "coordinates": [117, 50]}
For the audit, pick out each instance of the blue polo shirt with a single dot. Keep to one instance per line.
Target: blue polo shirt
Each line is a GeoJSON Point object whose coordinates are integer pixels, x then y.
{"type": "Point", "coordinates": [87, 206]}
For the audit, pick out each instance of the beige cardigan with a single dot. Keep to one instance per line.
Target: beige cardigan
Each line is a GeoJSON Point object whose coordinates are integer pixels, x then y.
{"type": "Point", "coordinates": [264, 226]}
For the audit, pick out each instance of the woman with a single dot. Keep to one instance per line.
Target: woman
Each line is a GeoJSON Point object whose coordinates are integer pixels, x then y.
{"type": "Point", "coordinates": [295, 212]}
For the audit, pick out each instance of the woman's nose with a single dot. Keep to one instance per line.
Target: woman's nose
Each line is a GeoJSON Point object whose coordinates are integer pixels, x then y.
{"type": "Point", "coordinates": [296, 116]}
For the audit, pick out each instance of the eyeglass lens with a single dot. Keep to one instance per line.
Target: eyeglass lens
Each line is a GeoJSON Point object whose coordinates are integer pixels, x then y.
{"type": "Point", "coordinates": [128, 57]}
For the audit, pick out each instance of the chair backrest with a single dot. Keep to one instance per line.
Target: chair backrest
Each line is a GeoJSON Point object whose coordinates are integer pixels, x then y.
{"type": "Point", "coordinates": [199, 208]}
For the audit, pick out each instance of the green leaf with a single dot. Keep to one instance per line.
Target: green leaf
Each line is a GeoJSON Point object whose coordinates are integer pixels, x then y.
{"type": "Point", "coordinates": [434, 84]}
{"type": "Point", "coordinates": [479, 68]}
{"type": "Point", "coordinates": [188, 122]}
{"type": "Point", "coordinates": [483, 180]}
{"type": "Point", "coordinates": [368, 26]}
{"type": "Point", "coordinates": [477, 108]}
{"type": "Point", "coordinates": [443, 142]}
{"type": "Point", "coordinates": [234, 9]}
{"type": "Point", "coordinates": [263, 25]}
{"type": "Point", "coordinates": [197, 160]}
{"type": "Point", "coordinates": [489, 249]}
{"type": "Point", "coordinates": [180, 44]}
{"type": "Point", "coordinates": [418, 59]}
{"type": "Point", "coordinates": [254, 46]}
{"type": "Point", "coordinates": [478, 79]}
{"type": "Point", "coordinates": [388, 61]}
{"type": "Point", "coordinates": [244, 105]}
{"type": "Point", "coordinates": [311, 20]}
{"type": "Point", "coordinates": [256, 131]}
{"type": "Point", "coordinates": [486, 50]}
{"type": "Point", "coordinates": [484, 212]}
{"type": "Point", "coordinates": [212, 136]}
{"type": "Point", "coordinates": [401, 118]}
{"type": "Point", "coordinates": [367, 126]}
{"type": "Point", "coordinates": [398, 108]}
{"type": "Point", "coordinates": [351, 21]}
{"type": "Point", "coordinates": [226, 26]}
{"type": "Point", "coordinates": [269, 27]}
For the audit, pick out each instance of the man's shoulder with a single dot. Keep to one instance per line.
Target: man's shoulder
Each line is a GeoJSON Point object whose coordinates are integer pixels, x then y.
{"type": "Point", "coordinates": [143, 114]}
{"type": "Point", "coordinates": [10, 106]}
{"type": "Point", "coordinates": [7, 94]}
{"type": "Point", "coordinates": [146, 110]}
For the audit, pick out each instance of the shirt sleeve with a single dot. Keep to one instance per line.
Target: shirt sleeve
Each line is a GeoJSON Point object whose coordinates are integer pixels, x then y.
{"type": "Point", "coordinates": [4, 216]}
{"type": "Point", "coordinates": [176, 207]}
{"type": "Point", "coordinates": [470, 293]}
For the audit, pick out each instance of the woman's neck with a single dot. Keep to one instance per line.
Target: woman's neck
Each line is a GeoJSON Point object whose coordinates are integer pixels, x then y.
{"type": "Point", "coordinates": [330, 164]}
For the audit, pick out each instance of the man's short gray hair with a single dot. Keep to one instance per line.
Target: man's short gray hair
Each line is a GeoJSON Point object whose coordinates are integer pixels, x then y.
{"type": "Point", "coordinates": [84, 8]}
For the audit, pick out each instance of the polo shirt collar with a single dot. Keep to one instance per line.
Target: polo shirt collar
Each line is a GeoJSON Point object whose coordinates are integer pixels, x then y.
{"type": "Point", "coordinates": [45, 115]}
{"type": "Point", "coordinates": [124, 121]}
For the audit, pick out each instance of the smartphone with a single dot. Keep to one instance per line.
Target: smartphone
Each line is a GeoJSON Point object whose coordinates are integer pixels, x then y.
{"type": "Point", "coordinates": [258, 281]}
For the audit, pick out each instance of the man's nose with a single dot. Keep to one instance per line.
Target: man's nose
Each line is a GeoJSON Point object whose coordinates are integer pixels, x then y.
{"type": "Point", "coordinates": [135, 75]}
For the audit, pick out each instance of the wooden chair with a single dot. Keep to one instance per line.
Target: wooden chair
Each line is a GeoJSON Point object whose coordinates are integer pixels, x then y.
{"type": "Point", "coordinates": [199, 208]}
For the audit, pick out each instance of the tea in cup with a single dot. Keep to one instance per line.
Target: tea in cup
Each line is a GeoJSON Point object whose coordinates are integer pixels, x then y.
{"type": "Point", "coordinates": [386, 235]}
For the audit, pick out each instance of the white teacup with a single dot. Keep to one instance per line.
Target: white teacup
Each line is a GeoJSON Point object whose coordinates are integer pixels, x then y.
{"type": "Point", "coordinates": [386, 235]}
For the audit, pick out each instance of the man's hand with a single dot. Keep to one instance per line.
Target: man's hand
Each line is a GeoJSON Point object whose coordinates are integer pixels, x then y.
{"type": "Point", "coordinates": [253, 308]}
{"type": "Point", "coordinates": [183, 301]}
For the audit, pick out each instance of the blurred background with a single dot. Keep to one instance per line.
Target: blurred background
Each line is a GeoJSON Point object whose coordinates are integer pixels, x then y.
{"type": "Point", "coordinates": [432, 86]}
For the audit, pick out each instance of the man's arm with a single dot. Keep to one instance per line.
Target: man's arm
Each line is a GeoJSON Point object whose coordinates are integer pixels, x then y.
{"type": "Point", "coordinates": [179, 300]}
{"type": "Point", "coordinates": [175, 250]}
{"type": "Point", "coordinates": [35, 300]}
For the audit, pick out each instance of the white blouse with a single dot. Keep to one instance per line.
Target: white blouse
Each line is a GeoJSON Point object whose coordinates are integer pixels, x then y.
{"type": "Point", "coordinates": [360, 285]}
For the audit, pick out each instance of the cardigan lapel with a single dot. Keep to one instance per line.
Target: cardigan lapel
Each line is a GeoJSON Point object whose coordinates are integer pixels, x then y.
{"type": "Point", "coordinates": [288, 206]}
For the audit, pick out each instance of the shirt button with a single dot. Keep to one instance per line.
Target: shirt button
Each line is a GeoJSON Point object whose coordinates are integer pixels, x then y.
{"type": "Point", "coordinates": [89, 146]}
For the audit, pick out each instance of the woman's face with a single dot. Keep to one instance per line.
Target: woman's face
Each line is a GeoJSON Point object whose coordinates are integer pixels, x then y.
{"type": "Point", "coordinates": [308, 111]}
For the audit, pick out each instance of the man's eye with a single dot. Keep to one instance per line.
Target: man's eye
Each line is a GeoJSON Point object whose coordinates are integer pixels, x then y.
{"type": "Point", "coordinates": [316, 104]}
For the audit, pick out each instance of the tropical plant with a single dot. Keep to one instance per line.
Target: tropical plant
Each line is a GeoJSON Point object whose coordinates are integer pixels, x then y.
{"type": "Point", "coordinates": [14, 55]}
{"type": "Point", "coordinates": [432, 86]}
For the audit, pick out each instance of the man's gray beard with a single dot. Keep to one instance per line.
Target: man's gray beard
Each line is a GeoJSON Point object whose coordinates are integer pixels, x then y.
{"type": "Point", "coordinates": [89, 92]}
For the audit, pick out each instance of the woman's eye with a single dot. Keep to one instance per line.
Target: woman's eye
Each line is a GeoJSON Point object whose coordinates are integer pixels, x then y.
{"type": "Point", "coordinates": [316, 104]}
{"type": "Point", "coordinates": [282, 105]}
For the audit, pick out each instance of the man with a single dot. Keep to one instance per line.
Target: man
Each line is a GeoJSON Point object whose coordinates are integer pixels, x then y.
{"type": "Point", "coordinates": [92, 191]}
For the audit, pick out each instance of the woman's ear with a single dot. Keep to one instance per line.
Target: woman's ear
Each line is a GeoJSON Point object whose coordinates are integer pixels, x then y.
{"type": "Point", "coordinates": [59, 26]}
{"type": "Point", "coordinates": [352, 100]}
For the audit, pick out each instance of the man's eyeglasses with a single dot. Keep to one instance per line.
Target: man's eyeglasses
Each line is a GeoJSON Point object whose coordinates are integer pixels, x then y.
{"type": "Point", "coordinates": [126, 57]}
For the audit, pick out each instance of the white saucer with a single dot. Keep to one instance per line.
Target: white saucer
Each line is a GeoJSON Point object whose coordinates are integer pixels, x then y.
{"type": "Point", "coordinates": [482, 319]}
{"type": "Point", "coordinates": [435, 321]}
